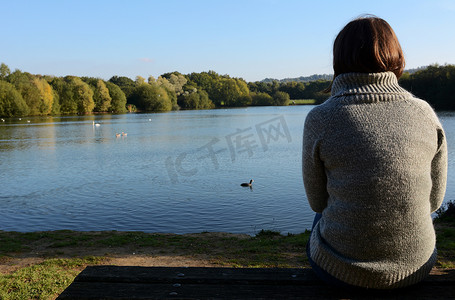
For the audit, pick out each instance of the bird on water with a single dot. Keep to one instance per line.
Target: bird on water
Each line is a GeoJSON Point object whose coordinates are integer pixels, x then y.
{"type": "Point", "coordinates": [247, 184]}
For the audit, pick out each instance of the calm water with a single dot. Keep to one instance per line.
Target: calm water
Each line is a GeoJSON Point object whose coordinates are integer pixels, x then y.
{"type": "Point", "coordinates": [174, 172]}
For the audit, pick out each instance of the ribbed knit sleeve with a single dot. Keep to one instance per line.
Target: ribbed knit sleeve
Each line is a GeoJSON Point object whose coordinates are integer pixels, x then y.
{"type": "Point", "coordinates": [314, 177]}
{"type": "Point", "coordinates": [439, 172]}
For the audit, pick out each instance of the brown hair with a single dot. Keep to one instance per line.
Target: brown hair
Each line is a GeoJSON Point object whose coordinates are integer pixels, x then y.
{"type": "Point", "coordinates": [367, 45]}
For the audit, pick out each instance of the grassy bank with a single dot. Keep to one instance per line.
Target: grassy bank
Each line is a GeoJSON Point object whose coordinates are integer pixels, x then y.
{"type": "Point", "coordinates": [40, 265]}
{"type": "Point", "coordinates": [302, 102]}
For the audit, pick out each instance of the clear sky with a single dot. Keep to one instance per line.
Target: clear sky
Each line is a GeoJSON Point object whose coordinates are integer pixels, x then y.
{"type": "Point", "coordinates": [252, 39]}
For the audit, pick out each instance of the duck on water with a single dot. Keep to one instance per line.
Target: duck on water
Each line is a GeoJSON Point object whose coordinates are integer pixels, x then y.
{"type": "Point", "coordinates": [248, 184]}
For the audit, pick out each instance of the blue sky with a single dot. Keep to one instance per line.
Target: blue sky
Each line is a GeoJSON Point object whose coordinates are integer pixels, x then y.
{"type": "Point", "coordinates": [251, 39]}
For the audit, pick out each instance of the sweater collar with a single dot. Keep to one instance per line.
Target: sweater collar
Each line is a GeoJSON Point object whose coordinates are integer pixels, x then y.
{"type": "Point", "coordinates": [376, 86]}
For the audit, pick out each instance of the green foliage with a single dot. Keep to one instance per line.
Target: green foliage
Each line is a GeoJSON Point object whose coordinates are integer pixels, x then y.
{"type": "Point", "coordinates": [281, 98]}
{"type": "Point", "coordinates": [222, 90]}
{"type": "Point", "coordinates": [101, 97]}
{"type": "Point", "coordinates": [434, 84]}
{"type": "Point", "coordinates": [195, 100]}
{"type": "Point", "coordinates": [118, 103]}
{"type": "Point", "coordinates": [65, 95]}
{"type": "Point", "coordinates": [24, 84]}
{"type": "Point", "coordinates": [244, 100]}
{"type": "Point", "coordinates": [147, 97]}
{"type": "Point", "coordinates": [4, 71]}
{"type": "Point", "coordinates": [171, 89]}
{"type": "Point", "coordinates": [140, 80]}
{"type": "Point", "coordinates": [11, 102]}
{"type": "Point", "coordinates": [75, 95]}
{"type": "Point", "coordinates": [261, 99]}
{"type": "Point", "coordinates": [127, 85]}
{"type": "Point", "coordinates": [229, 91]}
{"type": "Point", "coordinates": [295, 90]}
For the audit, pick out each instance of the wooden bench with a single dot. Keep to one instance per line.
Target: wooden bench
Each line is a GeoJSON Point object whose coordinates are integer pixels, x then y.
{"type": "Point", "coordinates": [114, 282]}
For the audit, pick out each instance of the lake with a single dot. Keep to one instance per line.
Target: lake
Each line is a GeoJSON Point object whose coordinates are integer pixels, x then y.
{"type": "Point", "coordinates": [176, 172]}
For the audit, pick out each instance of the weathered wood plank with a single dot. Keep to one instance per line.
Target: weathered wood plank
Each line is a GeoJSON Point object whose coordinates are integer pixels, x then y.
{"type": "Point", "coordinates": [197, 275]}
{"type": "Point", "coordinates": [112, 282]}
{"type": "Point", "coordinates": [97, 290]}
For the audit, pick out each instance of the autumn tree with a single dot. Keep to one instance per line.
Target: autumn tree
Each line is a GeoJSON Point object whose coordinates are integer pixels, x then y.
{"type": "Point", "coordinates": [11, 102]}
{"type": "Point", "coordinates": [101, 97]}
{"type": "Point", "coordinates": [46, 96]}
{"type": "Point", "coordinates": [75, 95]}
{"type": "Point", "coordinates": [23, 82]}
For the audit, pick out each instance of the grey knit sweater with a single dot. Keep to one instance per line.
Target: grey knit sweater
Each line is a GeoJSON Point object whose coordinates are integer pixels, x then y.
{"type": "Point", "coordinates": [375, 166]}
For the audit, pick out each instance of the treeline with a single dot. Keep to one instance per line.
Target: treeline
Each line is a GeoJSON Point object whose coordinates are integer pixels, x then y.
{"type": "Point", "coordinates": [434, 84]}
{"type": "Point", "coordinates": [22, 93]}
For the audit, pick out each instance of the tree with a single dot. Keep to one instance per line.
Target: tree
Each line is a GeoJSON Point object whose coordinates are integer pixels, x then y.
{"type": "Point", "coordinates": [23, 82]}
{"type": "Point", "coordinates": [140, 80]}
{"type": "Point", "coordinates": [11, 102]}
{"type": "Point", "coordinates": [281, 98]}
{"type": "Point", "coordinates": [84, 95]}
{"type": "Point", "coordinates": [316, 90]}
{"type": "Point", "coordinates": [196, 99]}
{"type": "Point", "coordinates": [435, 84]}
{"type": "Point", "coordinates": [126, 84]}
{"type": "Point", "coordinates": [65, 96]}
{"type": "Point", "coordinates": [228, 91]}
{"type": "Point", "coordinates": [261, 99]}
{"type": "Point", "coordinates": [118, 103]}
{"type": "Point", "coordinates": [148, 97]}
{"type": "Point", "coordinates": [245, 100]}
{"type": "Point", "coordinates": [75, 95]}
{"type": "Point", "coordinates": [101, 97]}
{"type": "Point", "coordinates": [4, 71]}
{"type": "Point", "coordinates": [46, 96]}
{"type": "Point", "coordinates": [177, 81]}
{"type": "Point", "coordinates": [295, 89]}
{"type": "Point", "coordinates": [164, 83]}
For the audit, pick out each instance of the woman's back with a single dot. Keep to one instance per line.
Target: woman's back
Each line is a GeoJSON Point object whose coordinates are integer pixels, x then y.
{"type": "Point", "coordinates": [376, 146]}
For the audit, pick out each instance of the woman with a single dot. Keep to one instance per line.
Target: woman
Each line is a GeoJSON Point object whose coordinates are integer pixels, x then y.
{"type": "Point", "coordinates": [374, 167]}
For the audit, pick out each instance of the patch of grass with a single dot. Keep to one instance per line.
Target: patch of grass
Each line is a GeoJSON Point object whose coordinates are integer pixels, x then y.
{"type": "Point", "coordinates": [267, 249]}
{"type": "Point", "coordinates": [45, 280]}
{"type": "Point", "coordinates": [302, 101]}
{"type": "Point", "coordinates": [9, 244]}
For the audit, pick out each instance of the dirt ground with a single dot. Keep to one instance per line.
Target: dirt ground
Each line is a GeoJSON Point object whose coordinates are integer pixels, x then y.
{"type": "Point", "coordinates": [119, 255]}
